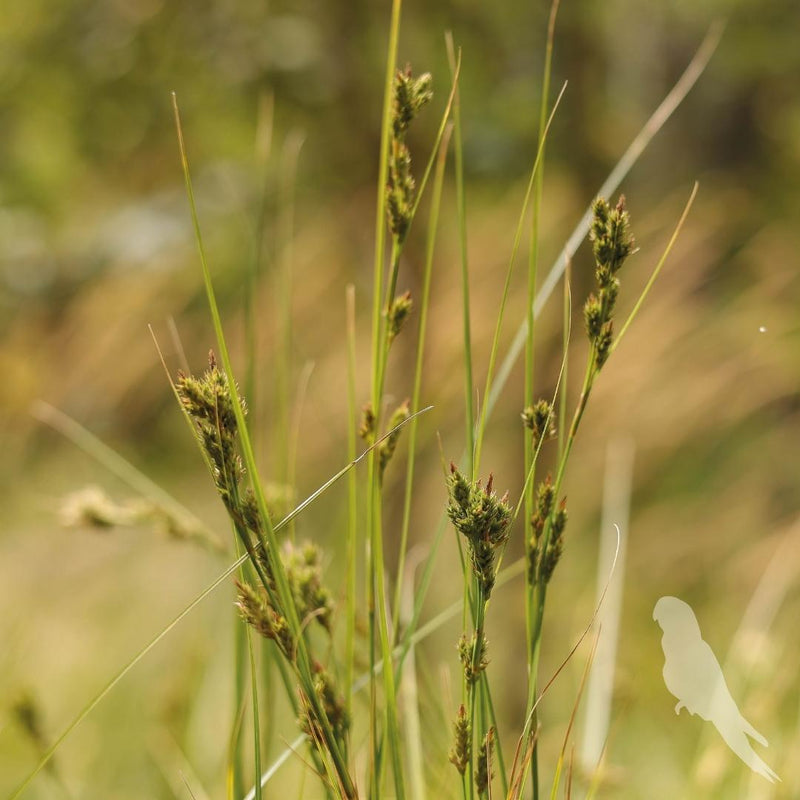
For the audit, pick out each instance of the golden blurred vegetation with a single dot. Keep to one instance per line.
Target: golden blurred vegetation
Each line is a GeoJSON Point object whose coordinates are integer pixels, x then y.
{"type": "Point", "coordinates": [96, 243]}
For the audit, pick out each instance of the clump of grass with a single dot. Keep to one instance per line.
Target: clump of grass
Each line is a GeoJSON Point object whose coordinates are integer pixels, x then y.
{"type": "Point", "coordinates": [289, 594]}
{"type": "Point", "coordinates": [281, 593]}
{"type": "Point", "coordinates": [484, 520]}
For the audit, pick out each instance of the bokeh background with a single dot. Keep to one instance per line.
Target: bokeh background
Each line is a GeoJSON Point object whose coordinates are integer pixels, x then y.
{"type": "Point", "coordinates": [281, 105]}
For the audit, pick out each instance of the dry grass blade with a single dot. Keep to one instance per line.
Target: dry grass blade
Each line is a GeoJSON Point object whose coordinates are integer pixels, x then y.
{"type": "Point", "coordinates": [520, 766]}
{"type": "Point", "coordinates": [580, 638]}
{"type": "Point", "coordinates": [568, 790]}
{"type": "Point", "coordinates": [571, 723]}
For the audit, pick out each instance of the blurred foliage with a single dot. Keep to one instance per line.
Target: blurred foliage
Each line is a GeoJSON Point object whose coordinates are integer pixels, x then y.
{"type": "Point", "coordinates": [95, 243]}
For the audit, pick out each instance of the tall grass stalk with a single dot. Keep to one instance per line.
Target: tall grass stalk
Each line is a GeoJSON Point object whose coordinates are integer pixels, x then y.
{"type": "Point", "coordinates": [375, 566]}
{"type": "Point", "coordinates": [533, 266]}
{"type": "Point", "coordinates": [520, 768]}
{"type": "Point", "coordinates": [566, 324]}
{"type": "Point", "coordinates": [256, 715]}
{"type": "Point", "coordinates": [420, 595]}
{"type": "Point", "coordinates": [409, 691]}
{"type": "Point", "coordinates": [352, 502]}
{"type": "Point", "coordinates": [242, 644]}
{"type": "Point", "coordinates": [559, 767]}
{"type": "Point", "coordinates": [420, 633]}
{"type": "Point", "coordinates": [461, 215]}
{"type": "Point", "coordinates": [242, 648]}
{"type": "Point", "coordinates": [177, 343]}
{"type": "Point", "coordinates": [490, 376]}
{"type": "Point", "coordinates": [422, 329]}
{"type": "Point", "coordinates": [657, 269]}
{"type": "Point", "coordinates": [234, 770]}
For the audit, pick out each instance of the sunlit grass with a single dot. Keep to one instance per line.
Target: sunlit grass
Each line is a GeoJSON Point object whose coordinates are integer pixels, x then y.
{"type": "Point", "coordinates": [377, 761]}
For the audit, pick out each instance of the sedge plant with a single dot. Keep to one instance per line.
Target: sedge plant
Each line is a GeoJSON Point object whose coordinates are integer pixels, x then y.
{"type": "Point", "coordinates": [282, 594]}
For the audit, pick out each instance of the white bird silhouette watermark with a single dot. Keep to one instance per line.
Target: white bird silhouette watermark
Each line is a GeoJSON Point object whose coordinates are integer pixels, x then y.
{"type": "Point", "coordinates": [693, 675]}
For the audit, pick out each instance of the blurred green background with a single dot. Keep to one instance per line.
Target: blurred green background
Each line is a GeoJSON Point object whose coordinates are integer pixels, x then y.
{"type": "Point", "coordinates": [96, 243]}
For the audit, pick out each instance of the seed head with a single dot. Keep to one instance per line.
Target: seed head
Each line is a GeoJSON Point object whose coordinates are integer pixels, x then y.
{"type": "Point", "coordinates": [603, 344]}
{"type": "Point", "coordinates": [304, 573]}
{"type": "Point", "coordinates": [332, 702]}
{"type": "Point", "coordinates": [410, 95]}
{"type": "Point", "coordinates": [538, 419]}
{"type": "Point", "coordinates": [387, 447]}
{"type": "Point", "coordinates": [256, 611]}
{"type": "Point", "coordinates": [593, 316]}
{"type": "Point", "coordinates": [366, 429]}
{"type": "Point", "coordinates": [555, 545]}
{"type": "Point", "coordinates": [461, 750]}
{"type": "Point", "coordinates": [483, 519]}
{"type": "Point", "coordinates": [473, 656]}
{"type": "Point", "coordinates": [611, 239]}
{"type": "Point", "coordinates": [612, 243]}
{"type": "Point", "coordinates": [483, 767]}
{"type": "Point", "coordinates": [398, 313]}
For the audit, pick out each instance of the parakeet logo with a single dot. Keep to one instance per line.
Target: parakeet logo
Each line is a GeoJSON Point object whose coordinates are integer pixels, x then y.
{"type": "Point", "coordinates": [693, 674]}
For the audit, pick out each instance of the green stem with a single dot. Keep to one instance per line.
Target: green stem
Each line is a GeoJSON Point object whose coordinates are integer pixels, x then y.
{"type": "Point", "coordinates": [352, 498]}
{"type": "Point", "coordinates": [533, 263]}
{"type": "Point", "coordinates": [383, 171]}
{"type": "Point", "coordinates": [507, 284]}
{"type": "Point", "coordinates": [376, 568]}
{"type": "Point", "coordinates": [501, 763]}
{"type": "Point", "coordinates": [539, 588]}
{"type": "Point", "coordinates": [393, 730]}
{"type": "Point", "coordinates": [240, 669]}
{"type": "Point", "coordinates": [533, 257]}
{"type": "Point", "coordinates": [256, 717]}
{"type": "Point", "coordinates": [461, 213]}
{"type": "Point", "coordinates": [379, 372]}
{"type": "Point", "coordinates": [433, 224]}
{"type": "Point", "coordinates": [564, 393]}
{"type": "Point", "coordinates": [376, 588]}
{"type": "Point", "coordinates": [477, 726]}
